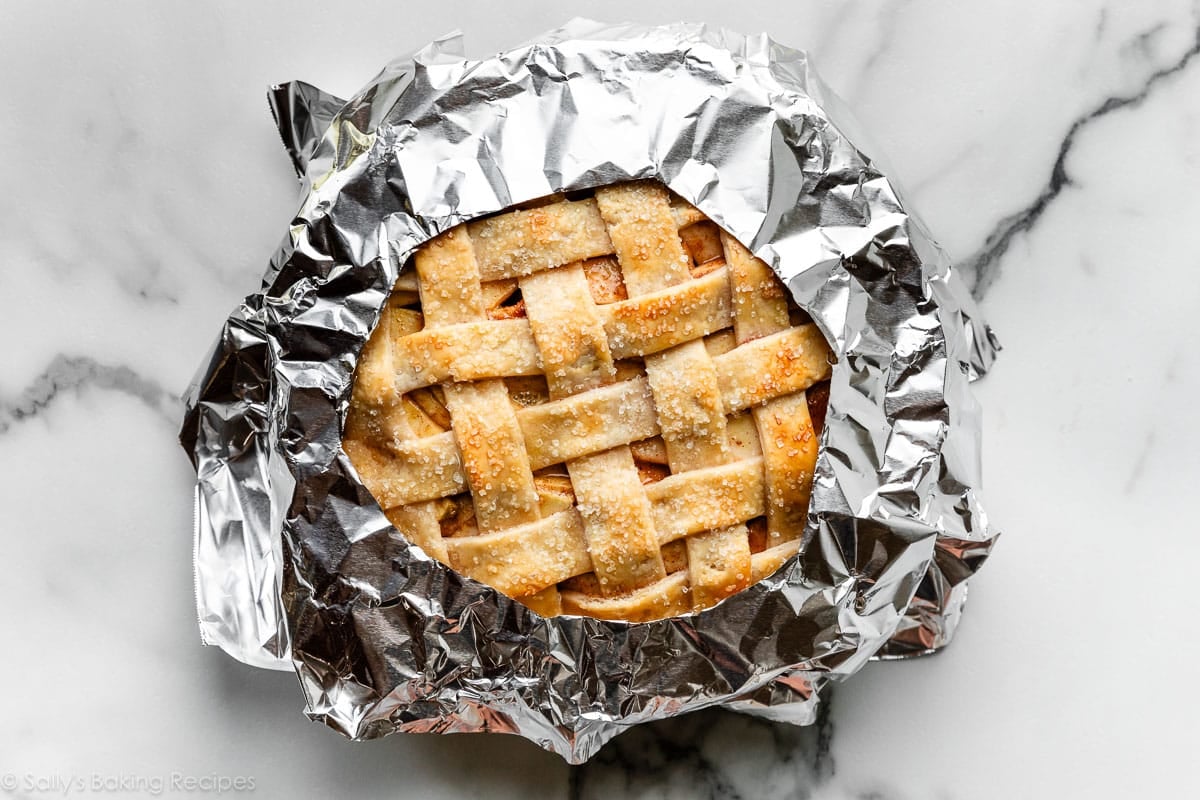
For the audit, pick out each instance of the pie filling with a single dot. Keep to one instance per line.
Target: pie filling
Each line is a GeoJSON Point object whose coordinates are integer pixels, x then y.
{"type": "Point", "coordinates": [602, 406]}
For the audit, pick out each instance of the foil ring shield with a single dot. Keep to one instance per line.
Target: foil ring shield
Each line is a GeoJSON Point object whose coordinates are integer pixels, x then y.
{"type": "Point", "coordinates": [296, 565]}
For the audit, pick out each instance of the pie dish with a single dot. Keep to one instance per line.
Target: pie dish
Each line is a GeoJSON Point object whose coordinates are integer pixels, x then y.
{"type": "Point", "coordinates": [600, 405]}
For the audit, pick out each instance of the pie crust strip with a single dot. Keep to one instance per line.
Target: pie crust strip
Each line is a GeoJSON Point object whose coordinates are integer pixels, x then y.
{"type": "Point", "coordinates": [601, 281]}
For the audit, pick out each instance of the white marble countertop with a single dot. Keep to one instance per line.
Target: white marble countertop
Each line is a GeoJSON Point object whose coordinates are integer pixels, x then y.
{"type": "Point", "coordinates": [1053, 148]}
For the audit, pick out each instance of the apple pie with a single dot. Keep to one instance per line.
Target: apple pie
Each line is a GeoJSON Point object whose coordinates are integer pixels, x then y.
{"type": "Point", "coordinates": [600, 405]}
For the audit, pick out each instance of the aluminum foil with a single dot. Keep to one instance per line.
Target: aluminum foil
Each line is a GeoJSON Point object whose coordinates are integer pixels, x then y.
{"type": "Point", "coordinates": [296, 565]}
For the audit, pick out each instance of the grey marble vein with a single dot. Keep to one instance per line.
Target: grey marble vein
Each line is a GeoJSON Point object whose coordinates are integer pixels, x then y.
{"type": "Point", "coordinates": [65, 373]}
{"type": "Point", "coordinates": [708, 752]}
{"type": "Point", "coordinates": [1143, 43]}
{"type": "Point", "coordinates": [146, 280]}
{"type": "Point", "coordinates": [1138, 467]}
{"type": "Point", "coordinates": [823, 765]}
{"type": "Point", "coordinates": [983, 267]}
{"type": "Point", "coordinates": [890, 17]}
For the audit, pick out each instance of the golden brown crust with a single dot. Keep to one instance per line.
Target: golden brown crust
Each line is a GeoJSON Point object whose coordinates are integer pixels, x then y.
{"type": "Point", "coordinates": [599, 408]}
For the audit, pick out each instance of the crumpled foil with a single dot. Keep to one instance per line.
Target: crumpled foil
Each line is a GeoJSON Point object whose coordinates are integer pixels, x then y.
{"type": "Point", "coordinates": [296, 565]}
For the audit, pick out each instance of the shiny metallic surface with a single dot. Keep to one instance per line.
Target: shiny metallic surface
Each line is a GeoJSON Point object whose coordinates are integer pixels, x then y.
{"type": "Point", "coordinates": [296, 565]}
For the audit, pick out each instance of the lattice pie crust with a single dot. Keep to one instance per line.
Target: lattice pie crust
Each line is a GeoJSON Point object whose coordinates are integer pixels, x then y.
{"type": "Point", "coordinates": [602, 406]}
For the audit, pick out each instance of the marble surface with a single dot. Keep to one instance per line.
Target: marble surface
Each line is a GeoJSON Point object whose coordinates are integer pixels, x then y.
{"type": "Point", "coordinates": [1054, 149]}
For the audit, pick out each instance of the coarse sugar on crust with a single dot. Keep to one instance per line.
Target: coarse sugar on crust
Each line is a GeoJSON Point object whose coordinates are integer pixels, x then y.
{"type": "Point", "coordinates": [603, 406]}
